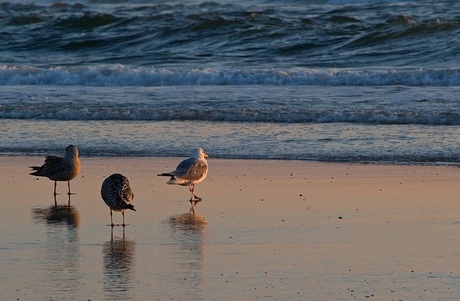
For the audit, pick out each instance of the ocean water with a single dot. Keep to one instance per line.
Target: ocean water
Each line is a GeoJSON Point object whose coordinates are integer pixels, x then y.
{"type": "Point", "coordinates": [334, 81]}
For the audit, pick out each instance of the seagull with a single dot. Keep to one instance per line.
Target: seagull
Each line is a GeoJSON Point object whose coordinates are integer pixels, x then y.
{"type": "Point", "coordinates": [117, 194]}
{"type": "Point", "coordinates": [60, 168]}
{"type": "Point", "coordinates": [190, 172]}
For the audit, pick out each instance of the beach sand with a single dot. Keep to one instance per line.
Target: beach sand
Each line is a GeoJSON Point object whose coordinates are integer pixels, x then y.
{"type": "Point", "coordinates": [265, 230]}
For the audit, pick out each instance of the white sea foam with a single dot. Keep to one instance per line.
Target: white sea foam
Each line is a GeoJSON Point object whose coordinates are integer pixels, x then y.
{"type": "Point", "coordinates": [119, 75]}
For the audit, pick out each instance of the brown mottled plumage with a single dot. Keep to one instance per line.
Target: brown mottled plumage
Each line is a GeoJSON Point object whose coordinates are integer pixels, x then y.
{"type": "Point", "coordinates": [60, 168]}
{"type": "Point", "coordinates": [190, 172]}
{"type": "Point", "coordinates": [117, 194]}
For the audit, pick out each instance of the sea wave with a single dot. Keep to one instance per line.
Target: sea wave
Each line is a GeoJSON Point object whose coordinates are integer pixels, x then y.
{"type": "Point", "coordinates": [254, 33]}
{"type": "Point", "coordinates": [120, 75]}
{"type": "Point", "coordinates": [178, 112]}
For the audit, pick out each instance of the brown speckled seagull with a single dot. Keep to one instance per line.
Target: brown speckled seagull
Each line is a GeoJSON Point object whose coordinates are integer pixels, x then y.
{"type": "Point", "coordinates": [190, 172]}
{"type": "Point", "coordinates": [117, 194]}
{"type": "Point", "coordinates": [60, 168]}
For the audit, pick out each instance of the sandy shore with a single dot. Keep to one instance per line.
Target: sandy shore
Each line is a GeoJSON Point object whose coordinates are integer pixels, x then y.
{"type": "Point", "coordinates": [272, 230]}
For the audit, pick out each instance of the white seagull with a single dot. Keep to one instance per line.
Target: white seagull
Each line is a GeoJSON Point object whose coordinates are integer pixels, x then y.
{"type": "Point", "coordinates": [190, 172]}
{"type": "Point", "coordinates": [60, 168]}
{"type": "Point", "coordinates": [117, 194]}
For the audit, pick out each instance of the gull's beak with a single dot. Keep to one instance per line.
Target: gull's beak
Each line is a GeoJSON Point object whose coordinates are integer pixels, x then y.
{"type": "Point", "coordinates": [206, 155]}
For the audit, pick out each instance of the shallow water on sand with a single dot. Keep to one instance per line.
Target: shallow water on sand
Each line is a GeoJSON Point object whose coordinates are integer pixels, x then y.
{"type": "Point", "coordinates": [287, 231]}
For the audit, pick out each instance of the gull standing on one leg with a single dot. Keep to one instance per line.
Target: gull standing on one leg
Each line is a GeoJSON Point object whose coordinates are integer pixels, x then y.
{"type": "Point", "coordinates": [190, 172]}
{"type": "Point", "coordinates": [117, 194]}
{"type": "Point", "coordinates": [60, 168]}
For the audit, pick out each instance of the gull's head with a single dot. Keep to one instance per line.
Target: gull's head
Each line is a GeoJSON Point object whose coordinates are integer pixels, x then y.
{"type": "Point", "coordinates": [199, 153]}
{"type": "Point", "coordinates": [71, 151]}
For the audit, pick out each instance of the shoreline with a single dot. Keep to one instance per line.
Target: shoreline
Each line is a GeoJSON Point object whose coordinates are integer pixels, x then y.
{"type": "Point", "coordinates": [308, 161]}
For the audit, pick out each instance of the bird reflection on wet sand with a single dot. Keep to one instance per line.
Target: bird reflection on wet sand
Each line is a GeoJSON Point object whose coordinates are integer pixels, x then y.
{"type": "Point", "coordinates": [58, 214]}
{"type": "Point", "coordinates": [56, 201]}
{"type": "Point", "coordinates": [119, 261]}
{"type": "Point", "coordinates": [58, 249]}
{"type": "Point", "coordinates": [111, 233]}
{"type": "Point", "coordinates": [189, 221]}
{"type": "Point", "coordinates": [189, 234]}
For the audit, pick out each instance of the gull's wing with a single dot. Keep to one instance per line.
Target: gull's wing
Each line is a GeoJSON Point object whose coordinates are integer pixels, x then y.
{"type": "Point", "coordinates": [52, 165]}
{"type": "Point", "coordinates": [191, 169]}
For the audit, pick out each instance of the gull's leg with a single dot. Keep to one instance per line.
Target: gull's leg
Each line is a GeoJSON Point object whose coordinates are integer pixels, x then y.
{"type": "Point", "coordinates": [192, 202]}
{"type": "Point", "coordinates": [197, 198]}
{"type": "Point", "coordinates": [123, 214]}
{"type": "Point", "coordinates": [193, 198]}
{"type": "Point", "coordinates": [68, 185]}
{"type": "Point", "coordinates": [55, 185]}
{"type": "Point", "coordinates": [190, 188]}
{"type": "Point", "coordinates": [111, 219]}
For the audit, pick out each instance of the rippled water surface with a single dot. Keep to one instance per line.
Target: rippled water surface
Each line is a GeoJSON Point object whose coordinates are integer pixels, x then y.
{"type": "Point", "coordinates": [347, 80]}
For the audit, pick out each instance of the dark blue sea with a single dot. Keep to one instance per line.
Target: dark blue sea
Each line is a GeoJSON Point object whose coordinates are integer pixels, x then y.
{"type": "Point", "coordinates": [335, 81]}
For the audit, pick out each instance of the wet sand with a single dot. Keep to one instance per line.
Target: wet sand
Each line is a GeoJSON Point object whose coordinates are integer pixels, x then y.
{"type": "Point", "coordinates": [265, 230]}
